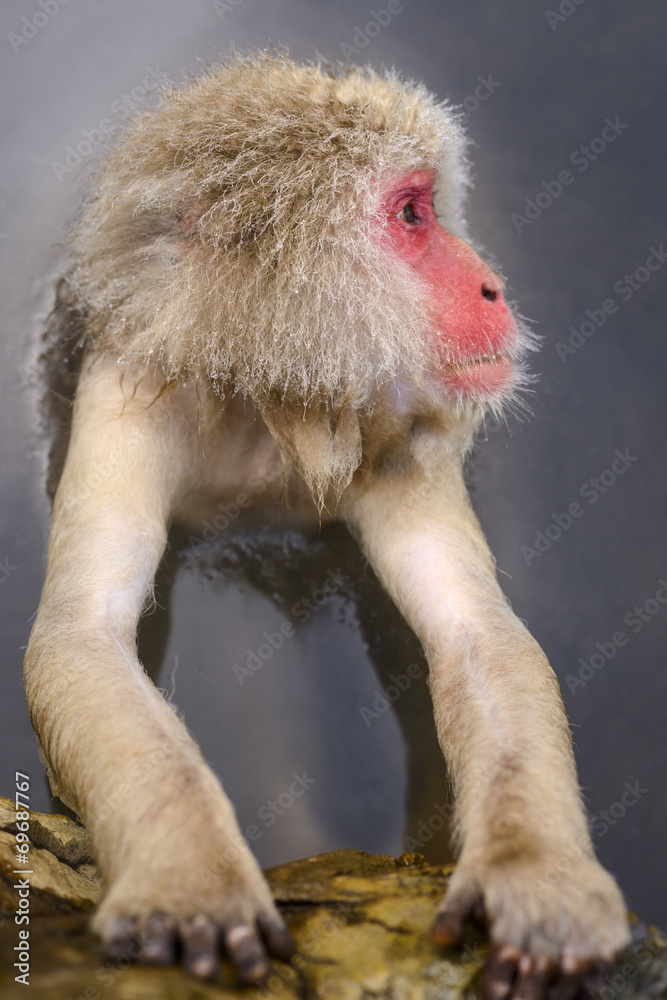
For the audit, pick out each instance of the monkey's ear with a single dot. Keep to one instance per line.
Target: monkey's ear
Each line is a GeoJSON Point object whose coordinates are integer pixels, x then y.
{"type": "Point", "coordinates": [324, 446]}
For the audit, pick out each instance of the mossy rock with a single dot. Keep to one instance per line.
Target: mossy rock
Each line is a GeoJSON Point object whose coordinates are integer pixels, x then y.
{"type": "Point", "coordinates": [361, 923]}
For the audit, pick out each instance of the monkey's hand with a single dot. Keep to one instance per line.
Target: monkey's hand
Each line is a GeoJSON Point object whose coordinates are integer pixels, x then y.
{"type": "Point", "coordinates": [193, 906]}
{"type": "Point", "coordinates": [547, 926]}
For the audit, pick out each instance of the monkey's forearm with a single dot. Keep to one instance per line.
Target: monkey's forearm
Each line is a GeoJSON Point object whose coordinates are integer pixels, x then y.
{"type": "Point", "coordinates": [502, 726]}
{"type": "Point", "coordinates": [107, 734]}
{"type": "Point", "coordinates": [98, 716]}
{"type": "Point", "coordinates": [498, 710]}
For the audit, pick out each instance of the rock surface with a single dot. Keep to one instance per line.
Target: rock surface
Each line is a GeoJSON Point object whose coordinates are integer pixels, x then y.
{"type": "Point", "coordinates": [360, 921]}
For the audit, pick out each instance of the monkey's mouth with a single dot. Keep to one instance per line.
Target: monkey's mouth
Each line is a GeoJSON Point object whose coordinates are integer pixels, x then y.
{"type": "Point", "coordinates": [487, 375]}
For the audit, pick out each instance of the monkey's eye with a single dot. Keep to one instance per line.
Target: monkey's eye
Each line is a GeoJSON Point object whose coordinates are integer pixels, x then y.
{"type": "Point", "coordinates": [408, 214]}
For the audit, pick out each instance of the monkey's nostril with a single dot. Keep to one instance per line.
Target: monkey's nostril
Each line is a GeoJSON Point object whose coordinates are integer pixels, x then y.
{"type": "Point", "coordinates": [488, 293]}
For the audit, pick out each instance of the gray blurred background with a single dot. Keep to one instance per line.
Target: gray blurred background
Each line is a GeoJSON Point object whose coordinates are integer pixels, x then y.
{"type": "Point", "coordinates": [538, 84]}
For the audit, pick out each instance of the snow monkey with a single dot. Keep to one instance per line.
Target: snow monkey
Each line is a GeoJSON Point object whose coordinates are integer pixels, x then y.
{"type": "Point", "coordinates": [272, 266]}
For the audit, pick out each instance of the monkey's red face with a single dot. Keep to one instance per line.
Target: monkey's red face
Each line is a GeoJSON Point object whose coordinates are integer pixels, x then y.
{"type": "Point", "coordinates": [474, 330]}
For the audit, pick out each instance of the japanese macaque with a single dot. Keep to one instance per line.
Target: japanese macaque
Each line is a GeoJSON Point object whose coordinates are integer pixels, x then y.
{"type": "Point", "coordinates": [271, 266]}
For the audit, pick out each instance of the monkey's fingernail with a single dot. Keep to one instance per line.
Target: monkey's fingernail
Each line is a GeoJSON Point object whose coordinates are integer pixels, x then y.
{"type": "Point", "coordinates": [278, 939]}
{"type": "Point", "coordinates": [122, 937]}
{"type": "Point", "coordinates": [497, 987]}
{"type": "Point", "coordinates": [500, 973]}
{"type": "Point", "coordinates": [253, 970]}
{"type": "Point", "coordinates": [203, 965]}
{"type": "Point", "coordinates": [200, 940]}
{"type": "Point", "coordinates": [575, 965]}
{"type": "Point", "coordinates": [534, 977]}
{"type": "Point", "coordinates": [448, 928]}
{"type": "Point", "coordinates": [247, 954]}
{"type": "Point", "coordinates": [159, 940]}
{"type": "Point", "coordinates": [508, 953]}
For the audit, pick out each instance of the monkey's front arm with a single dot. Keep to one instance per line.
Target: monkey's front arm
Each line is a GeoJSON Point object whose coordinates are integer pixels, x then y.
{"type": "Point", "coordinates": [502, 727]}
{"type": "Point", "coordinates": [176, 868]}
